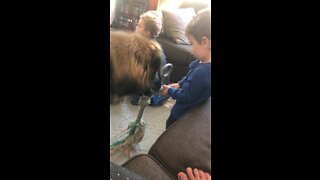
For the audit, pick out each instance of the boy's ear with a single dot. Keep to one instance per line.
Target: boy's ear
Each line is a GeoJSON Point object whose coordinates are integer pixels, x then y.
{"type": "Point", "coordinates": [206, 42]}
{"type": "Point", "coordinates": [148, 33]}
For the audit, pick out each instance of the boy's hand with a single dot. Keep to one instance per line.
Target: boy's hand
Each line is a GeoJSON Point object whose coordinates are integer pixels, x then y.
{"type": "Point", "coordinates": [164, 90]}
{"type": "Point", "coordinates": [175, 85]}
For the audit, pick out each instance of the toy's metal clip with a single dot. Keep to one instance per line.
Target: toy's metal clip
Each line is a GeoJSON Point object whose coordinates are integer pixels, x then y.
{"type": "Point", "coordinates": [165, 73]}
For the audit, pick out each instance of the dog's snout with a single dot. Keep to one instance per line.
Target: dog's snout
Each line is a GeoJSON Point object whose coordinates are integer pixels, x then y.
{"type": "Point", "coordinates": [156, 84]}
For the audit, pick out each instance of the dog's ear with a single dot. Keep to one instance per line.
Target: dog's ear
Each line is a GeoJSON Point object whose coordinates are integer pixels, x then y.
{"type": "Point", "coordinates": [137, 55]}
{"type": "Point", "coordinates": [156, 60]}
{"type": "Point", "coordinates": [156, 54]}
{"type": "Point", "coordinates": [137, 52]}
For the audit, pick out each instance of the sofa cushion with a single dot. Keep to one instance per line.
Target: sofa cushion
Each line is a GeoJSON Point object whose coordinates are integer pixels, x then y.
{"type": "Point", "coordinates": [187, 143]}
{"type": "Point", "coordinates": [175, 22]}
{"type": "Point", "coordinates": [147, 167]}
{"type": "Point", "coordinates": [181, 53]}
{"type": "Point", "coordinates": [178, 55]}
{"type": "Point", "coordinates": [119, 172]}
{"type": "Point", "coordinates": [197, 5]}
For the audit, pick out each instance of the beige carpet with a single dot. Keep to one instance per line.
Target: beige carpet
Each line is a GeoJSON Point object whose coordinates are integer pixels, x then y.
{"type": "Point", "coordinates": [155, 118]}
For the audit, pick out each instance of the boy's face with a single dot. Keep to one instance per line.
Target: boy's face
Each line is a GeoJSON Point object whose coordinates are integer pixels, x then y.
{"type": "Point", "coordinates": [202, 50]}
{"type": "Point", "coordinates": [140, 28]}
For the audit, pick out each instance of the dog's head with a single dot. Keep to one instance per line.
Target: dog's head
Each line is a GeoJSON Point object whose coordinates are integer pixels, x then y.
{"type": "Point", "coordinates": [135, 62]}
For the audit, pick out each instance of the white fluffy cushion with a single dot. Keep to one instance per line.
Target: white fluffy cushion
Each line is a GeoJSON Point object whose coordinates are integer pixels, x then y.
{"type": "Point", "coordinates": [174, 23]}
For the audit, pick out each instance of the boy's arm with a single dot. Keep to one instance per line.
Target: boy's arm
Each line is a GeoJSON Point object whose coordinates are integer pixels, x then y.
{"type": "Point", "coordinates": [191, 88]}
{"type": "Point", "coordinates": [184, 78]}
{"type": "Point", "coordinates": [182, 81]}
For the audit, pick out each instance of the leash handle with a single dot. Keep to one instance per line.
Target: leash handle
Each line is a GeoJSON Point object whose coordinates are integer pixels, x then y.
{"type": "Point", "coordinates": [165, 73]}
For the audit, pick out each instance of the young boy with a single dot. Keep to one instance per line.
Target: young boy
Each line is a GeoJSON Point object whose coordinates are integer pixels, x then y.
{"type": "Point", "coordinates": [149, 26]}
{"type": "Point", "coordinates": [195, 87]}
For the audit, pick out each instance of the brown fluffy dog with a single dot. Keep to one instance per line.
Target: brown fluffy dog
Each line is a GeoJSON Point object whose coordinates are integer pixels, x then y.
{"type": "Point", "coordinates": [134, 61]}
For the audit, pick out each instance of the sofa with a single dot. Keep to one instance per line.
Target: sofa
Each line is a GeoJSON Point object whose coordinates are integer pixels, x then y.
{"type": "Point", "coordinates": [176, 47]}
{"type": "Point", "coordinates": [187, 143]}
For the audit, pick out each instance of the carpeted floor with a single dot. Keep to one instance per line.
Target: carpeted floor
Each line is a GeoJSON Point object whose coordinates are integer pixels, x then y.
{"type": "Point", "coordinates": [124, 113]}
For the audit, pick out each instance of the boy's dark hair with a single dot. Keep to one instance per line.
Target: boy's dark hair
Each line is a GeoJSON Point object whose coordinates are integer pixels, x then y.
{"type": "Point", "coordinates": [200, 25]}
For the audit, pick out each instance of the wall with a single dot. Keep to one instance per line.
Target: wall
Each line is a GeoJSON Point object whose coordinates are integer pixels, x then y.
{"type": "Point", "coordinates": [112, 10]}
{"type": "Point", "coordinates": [168, 4]}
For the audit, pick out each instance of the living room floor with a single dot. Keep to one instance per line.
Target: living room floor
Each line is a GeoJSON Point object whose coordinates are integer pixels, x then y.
{"type": "Point", "coordinates": [154, 117]}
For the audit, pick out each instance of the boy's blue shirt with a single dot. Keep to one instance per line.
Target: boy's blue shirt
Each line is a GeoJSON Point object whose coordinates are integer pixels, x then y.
{"type": "Point", "coordinates": [194, 89]}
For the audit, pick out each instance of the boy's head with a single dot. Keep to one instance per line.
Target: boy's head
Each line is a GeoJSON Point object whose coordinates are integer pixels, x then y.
{"type": "Point", "coordinates": [149, 25]}
{"type": "Point", "coordinates": [198, 32]}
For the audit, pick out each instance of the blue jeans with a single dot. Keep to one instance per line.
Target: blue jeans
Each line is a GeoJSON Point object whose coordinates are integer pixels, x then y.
{"type": "Point", "coordinates": [156, 99]}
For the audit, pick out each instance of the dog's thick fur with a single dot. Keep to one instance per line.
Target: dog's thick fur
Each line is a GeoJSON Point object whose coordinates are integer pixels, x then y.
{"type": "Point", "coordinates": [134, 61]}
